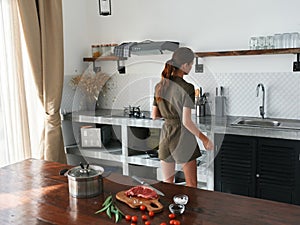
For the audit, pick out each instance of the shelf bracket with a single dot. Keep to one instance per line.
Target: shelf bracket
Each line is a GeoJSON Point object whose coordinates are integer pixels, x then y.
{"type": "Point", "coordinates": [96, 69]}
{"type": "Point", "coordinates": [296, 65]}
{"type": "Point", "coordinates": [121, 66]}
{"type": "Point", "coordinates": [198, 67]}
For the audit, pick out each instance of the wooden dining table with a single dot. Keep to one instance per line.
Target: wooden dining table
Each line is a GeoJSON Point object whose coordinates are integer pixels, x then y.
{"type": "Point", "coordinates": [33, 192]}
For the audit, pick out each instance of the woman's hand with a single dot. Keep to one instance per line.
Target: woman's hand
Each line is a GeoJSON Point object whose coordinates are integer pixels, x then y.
{"type": "Point", "coordinates": [155, 113]}
{"type": "Point", "coordinates": [208, 144]}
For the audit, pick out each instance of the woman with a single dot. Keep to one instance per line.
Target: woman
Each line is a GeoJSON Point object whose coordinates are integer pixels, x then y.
{"type": "Point", "coordinates": [173, 100]}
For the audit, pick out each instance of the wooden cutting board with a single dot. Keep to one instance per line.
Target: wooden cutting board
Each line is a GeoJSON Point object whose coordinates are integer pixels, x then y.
{"type": "Point", "coordinates": [135, 202]}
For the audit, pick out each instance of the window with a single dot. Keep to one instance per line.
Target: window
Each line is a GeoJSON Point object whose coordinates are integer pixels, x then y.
{"type": "Point", "coordinates": [19, 104]}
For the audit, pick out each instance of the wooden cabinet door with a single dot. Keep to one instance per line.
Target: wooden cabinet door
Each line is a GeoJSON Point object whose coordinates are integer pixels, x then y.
{"type": "Point", "coordinates": [278, 170]}
{"type": "Point", "coordinates": [235, 164]}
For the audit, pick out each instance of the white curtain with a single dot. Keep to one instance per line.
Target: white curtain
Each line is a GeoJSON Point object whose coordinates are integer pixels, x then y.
{"type": "Point", "coordinates": [19, 104]}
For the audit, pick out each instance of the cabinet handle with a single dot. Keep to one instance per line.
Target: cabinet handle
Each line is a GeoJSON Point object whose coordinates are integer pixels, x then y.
{"type": "Point", "coordinates": [257, 175]}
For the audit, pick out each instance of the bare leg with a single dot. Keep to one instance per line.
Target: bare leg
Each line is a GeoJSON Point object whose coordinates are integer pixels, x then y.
{"type": "Point", "coordinates": [168, 171]}
{"type": "Point", "coordinates": [190, 173]}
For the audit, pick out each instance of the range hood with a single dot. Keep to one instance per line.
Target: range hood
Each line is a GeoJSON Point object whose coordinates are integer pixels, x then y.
{"type": "Point", "coordinates": [153, 47]}
{"type": "Point", "coordinates": [145, 48]}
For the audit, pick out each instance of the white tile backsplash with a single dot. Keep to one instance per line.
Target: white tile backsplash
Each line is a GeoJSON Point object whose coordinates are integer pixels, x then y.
{"type": "Point", "coordinates": [282, 92]}
{"type": "Point", "coordinates": [130, 89]}
{"type": "Point", "coordinates": [136, 89]}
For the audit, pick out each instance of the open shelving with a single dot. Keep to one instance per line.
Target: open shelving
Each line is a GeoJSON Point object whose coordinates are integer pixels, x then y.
{"type": "Point", "coordinates": [103, 58]}
{"type": "Point", "coordinates": [249, 52]}
{"type": "Point", "coordinates": [296, 64]}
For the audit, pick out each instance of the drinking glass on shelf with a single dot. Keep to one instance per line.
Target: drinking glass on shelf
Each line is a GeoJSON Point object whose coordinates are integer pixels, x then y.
{"type": "Point", "coordinates": [286, 40]}
{"type": "Point", "coordinates": [295, 40]}
{"type": "Point", "coordinates": [261, 42]}
{"type": "Point", "coordinates": [270, 42]}
{"type": "Point", "coordinates": [278, 40]}
{"type": "Point", "coordinates": [253, 43]}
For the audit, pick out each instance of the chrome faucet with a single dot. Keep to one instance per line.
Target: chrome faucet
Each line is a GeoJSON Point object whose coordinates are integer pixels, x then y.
{"type": "Point", "coordinates": [262, 107]}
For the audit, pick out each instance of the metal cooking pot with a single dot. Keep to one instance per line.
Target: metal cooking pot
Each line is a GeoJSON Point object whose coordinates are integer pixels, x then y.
{"type": "Point", "coordinates": [85, 182]}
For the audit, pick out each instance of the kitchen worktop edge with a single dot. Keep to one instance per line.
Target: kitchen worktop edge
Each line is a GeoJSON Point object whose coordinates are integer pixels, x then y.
{"type": "Point", "coordinates": [209, 124]}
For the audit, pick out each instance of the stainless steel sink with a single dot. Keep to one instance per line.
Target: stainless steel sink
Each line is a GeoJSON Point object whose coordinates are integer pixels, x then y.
{"type": "Point", "coordinates": [256, 122]}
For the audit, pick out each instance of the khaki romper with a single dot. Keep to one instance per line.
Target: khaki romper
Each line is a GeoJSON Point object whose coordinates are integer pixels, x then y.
{"type": "Point", "coordinates": [177, 144]}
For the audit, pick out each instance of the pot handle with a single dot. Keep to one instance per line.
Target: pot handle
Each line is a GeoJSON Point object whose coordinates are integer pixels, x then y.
{"type": "Point", "coordinates": [63, 172]}
{"type": "Point", "coordinates": [105, 174]}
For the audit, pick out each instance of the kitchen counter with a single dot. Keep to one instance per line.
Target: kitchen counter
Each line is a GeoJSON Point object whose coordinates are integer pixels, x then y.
{"type": "Point", "coordinates": [209, 124]}
{"type": "Point", "coordinates": [33, 192]}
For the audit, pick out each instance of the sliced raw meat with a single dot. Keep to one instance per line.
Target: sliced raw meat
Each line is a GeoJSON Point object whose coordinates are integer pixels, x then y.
{"type": "Point", "coordinates": [142, 191]}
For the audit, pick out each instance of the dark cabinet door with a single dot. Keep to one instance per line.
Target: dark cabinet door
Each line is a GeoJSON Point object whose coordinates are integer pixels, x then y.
{"type": "Point", "coordinates": [266, 168]}
{"type": "Point", "coordinates": [278, 170]}
{"type": "Point", "coordinates": [235, 164]}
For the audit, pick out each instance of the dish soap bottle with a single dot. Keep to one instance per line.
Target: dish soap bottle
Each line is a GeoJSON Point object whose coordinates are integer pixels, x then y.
{"type": "Point", "coordinates": [200, 103]}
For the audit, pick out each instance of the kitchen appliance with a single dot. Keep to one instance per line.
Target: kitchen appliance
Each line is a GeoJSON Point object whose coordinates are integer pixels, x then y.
{"type": "Point", "coordinates": [85, 181]}
{"type": "Point", "coordinates": [141, 139]}
{"type": "Point", "coordinates": [147, 47]}
{"type": "Point", "coordinates": [136, 112]}
{"type": "Point", "coordinates": [95, 137]}
{"type": "Point", "coordinates": [153, 47]}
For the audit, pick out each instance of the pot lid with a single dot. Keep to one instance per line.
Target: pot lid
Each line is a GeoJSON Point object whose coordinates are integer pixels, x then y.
{"type": "Point", "coordinates": [79, 172]}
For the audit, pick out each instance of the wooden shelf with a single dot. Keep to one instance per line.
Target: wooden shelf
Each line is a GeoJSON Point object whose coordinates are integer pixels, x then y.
{"type": "Point", "coordinates": [296, 65]}
{"type": "Point", "coordinates": [210, 54]}
{"type": "Point", "coordinates": [250, 52]}
{"type": "Point", "coordinates": [103, 58]}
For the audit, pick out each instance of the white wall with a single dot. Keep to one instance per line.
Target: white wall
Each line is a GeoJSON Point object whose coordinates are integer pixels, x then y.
{"type": "Point", "coordinates": [76, 35]}
{"type": "Point", "coordinates": [203, 26]}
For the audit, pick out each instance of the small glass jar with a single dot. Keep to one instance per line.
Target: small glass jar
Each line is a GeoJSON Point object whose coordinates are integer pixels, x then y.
{"type": "Point", "coordinates": [106, 49]}
{"type": "Point", "coordinates": [101, 47]}
{"type": "Point", "coordinates": [112, 48]}
{"type": "Point", "coordinates": [181, 199]}
{"type": "Point", "coordinates": [96, 51]}
{"type": "Point", "coordinates": [176, 208]}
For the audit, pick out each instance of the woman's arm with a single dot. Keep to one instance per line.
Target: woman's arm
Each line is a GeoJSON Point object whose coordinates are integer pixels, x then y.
{"type": "Point", "coordinates": [191, 126]}
{"type": "Point", "coordinates": [155, 113]}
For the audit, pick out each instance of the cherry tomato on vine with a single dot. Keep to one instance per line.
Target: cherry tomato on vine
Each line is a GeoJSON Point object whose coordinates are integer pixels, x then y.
{"type": "Point", "coordinates": [176, 222]}
{"type": "Point", "coordinates": [163, 223]}
{"type": "Point", "coordinates": [134, 219]}
{"type": "Point", "coordinates": [172, 215]}
{"type": "Point", "coordinates": [151, 213]}
{"type": "Point", "coordinates": [142, 208]}
{"type": "Point", "coordinates": [147, 223]}
{"type": "Point", "coordinates": [172, 222]}
{"type": "Point", "coordinates": [144, 217]}
{"type": "Point", "coordinates": [127, 217]}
